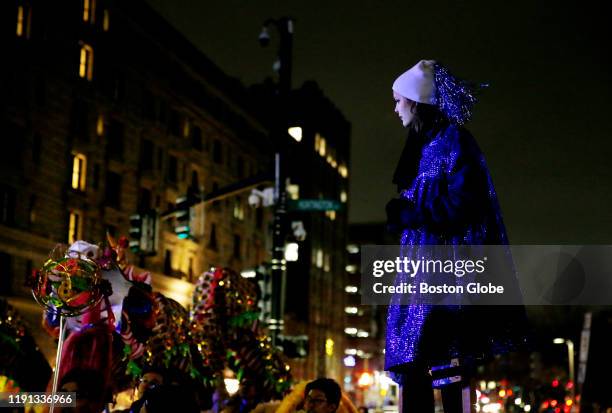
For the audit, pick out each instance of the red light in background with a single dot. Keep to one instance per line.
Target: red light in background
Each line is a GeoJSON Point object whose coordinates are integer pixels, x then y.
{"type": "Point", "coordinates": [545, 405]}
{"type": "Point", "coordinates": [555, 383]}
{"type": "Point", "coordinates": [569, 385]}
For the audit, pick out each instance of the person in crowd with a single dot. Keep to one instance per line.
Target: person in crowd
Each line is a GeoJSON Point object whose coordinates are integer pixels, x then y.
{"type": "Point", "coordinates": [322, 396]}
{"type": "Point", "coordinates": [151, 377]}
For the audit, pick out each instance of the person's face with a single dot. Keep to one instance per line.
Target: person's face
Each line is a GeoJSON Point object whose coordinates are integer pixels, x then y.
{"type": "Point", "coordinates": [403, 108]}
{"type": "Point", "coordinates": [149, 380]}
{"type": "Point", "coordinates": [316, 402]}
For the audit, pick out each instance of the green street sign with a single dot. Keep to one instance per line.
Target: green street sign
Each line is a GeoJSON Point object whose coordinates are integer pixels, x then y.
{"type": "Point", "coordinates": [315, 205]}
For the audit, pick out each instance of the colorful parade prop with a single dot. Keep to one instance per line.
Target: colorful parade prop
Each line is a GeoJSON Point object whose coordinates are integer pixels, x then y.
{"type": "Point", "coordinates": [110, 319]}
{"type": "Point", "coordinates": [68, 285]}
{"type": "Point", "coordinates": [226, 329]}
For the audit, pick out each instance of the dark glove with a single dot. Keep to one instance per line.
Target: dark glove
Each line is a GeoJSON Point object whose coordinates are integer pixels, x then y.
{"type": "Point", "coordinates": [401, 214]}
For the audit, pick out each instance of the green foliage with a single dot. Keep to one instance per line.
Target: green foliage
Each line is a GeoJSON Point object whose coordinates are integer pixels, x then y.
{"type": "Point", "coordinates": [133, 369]}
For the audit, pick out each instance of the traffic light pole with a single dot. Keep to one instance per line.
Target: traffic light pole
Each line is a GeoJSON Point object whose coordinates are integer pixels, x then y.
{"type": "Point", "coordinates": [278, 265]}
{"type": "Point", "coordinates": [227, 191]}
{"type": "Point", "coordinates": [278, 268]}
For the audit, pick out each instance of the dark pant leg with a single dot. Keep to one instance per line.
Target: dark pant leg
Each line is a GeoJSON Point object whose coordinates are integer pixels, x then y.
{"type": "Point", "coordinates": [417, 393]}
{"type": "Point", "coordinates": [452, 398]}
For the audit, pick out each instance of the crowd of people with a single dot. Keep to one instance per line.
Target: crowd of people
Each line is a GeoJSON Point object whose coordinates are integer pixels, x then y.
{"type": "Point", "coordinates": [162, 390]}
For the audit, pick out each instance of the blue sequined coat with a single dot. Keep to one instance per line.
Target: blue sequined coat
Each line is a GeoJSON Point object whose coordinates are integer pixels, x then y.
{"type": "Point", "coordinates": [451, 201]}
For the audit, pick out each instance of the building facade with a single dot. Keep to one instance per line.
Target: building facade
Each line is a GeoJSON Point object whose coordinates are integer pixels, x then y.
{"type": "Point", "coordinates": [108, 111]}
{"type": "Point", "coordinates": [365, 346]}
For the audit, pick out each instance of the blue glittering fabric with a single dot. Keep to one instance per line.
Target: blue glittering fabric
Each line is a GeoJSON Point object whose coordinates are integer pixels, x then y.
{"type": "Point", "coordinates": [454, 97]}
{"type": "Point", "coordinates": [451, 201]}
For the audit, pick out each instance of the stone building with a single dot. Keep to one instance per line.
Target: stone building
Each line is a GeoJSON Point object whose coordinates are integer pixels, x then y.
{"type": "Point", "coordinates": [108, 111]}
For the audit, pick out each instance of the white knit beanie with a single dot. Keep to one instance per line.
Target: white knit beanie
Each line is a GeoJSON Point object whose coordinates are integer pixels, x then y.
{"type": "Point", "coordinates": [418, 83]}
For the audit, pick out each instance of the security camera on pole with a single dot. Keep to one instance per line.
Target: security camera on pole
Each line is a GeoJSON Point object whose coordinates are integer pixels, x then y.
{"type": "Point", "coordinates": [284, 27]}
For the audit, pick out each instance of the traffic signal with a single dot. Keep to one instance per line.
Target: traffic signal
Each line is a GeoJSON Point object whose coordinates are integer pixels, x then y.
{"type": "Point", "coordinates": [148, 233]}
{"type": "Point", "coordinates": [182, 216]}
{"type": "Point", "coordinates": [135, 232]}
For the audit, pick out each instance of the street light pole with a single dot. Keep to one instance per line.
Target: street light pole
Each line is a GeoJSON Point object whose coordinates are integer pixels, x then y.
{"type": "Point", "coordinates": [570, 358]}
{"type": "Point", "coordinates": [284, 27]}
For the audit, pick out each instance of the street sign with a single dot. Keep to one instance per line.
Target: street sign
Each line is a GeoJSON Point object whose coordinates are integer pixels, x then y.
{"type": "Point", "coordinates": [315, 205]}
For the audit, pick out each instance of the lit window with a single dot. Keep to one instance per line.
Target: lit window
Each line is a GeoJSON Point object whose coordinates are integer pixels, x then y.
{"type": "Point", "coordinates": [331, 157]}
{"type": "Point", "coordinates": [106, 21]}
{"type": "Point", "coordinates": [20, 21]}
{"type": "Point", "coordinates": [331, 215]}
{"type": "Point", "coordinates": [24, 16]}
{"type": "Point", "coordinates": [293, 191]}
{"type": "Point", "coordinates": [351, 310]}
{"type": "Point", "coordinates": [329, 347]}
{"type": "Point", "coordinates": [292, 251]}
{"type": "Point", "coordinates": [343, 197]}
{"type": "Point", "coordinates": [89, 11]}
{"type": "Point", "coordinates": [327, 263]}
{"type": "Point", "coordinates": [100, 125]}
{"type": "Point", "coordinates": [86, 62]}
{"type": "Point", "coordinates": [79, 171]}
{"type": "Point", "coordinates": [186, 128]}
{"type": "Point", "coordinates": [352, 249]}
{"type": "Point", "coordinates": [317, 143]}
{"type": "Point", "coordinates": [342, 170]}
{"type": "Point", "coordinates": [351, 289]}
{"type": "Point", "coordinates": [351, 268]}
{"type": "Point", "coordinates": [319, 258]}
{"type": "Point", "coordinates": [75, 225]}
{"type": "Point", "coordinates": [296, 133]}
{"type": "Point", "coordinates": [351, 331]}
{"type": "Point", "coordinates": [238, 210]}
{"type": "Point", "coordinates": [322, 147]}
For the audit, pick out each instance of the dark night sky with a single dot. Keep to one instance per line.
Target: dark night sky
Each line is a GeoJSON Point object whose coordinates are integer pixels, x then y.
{"type": "Point", "coordinates": [543, 124]}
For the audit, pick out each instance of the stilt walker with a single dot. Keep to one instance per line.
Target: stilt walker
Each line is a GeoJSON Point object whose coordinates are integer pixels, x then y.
{"type": "Point", "coordinates": [446, 197]}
